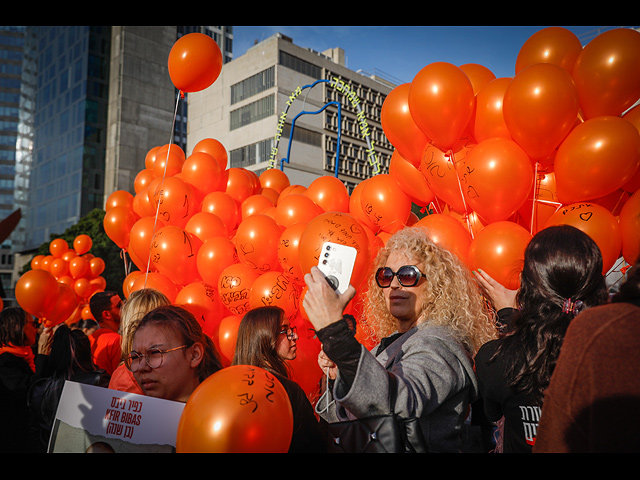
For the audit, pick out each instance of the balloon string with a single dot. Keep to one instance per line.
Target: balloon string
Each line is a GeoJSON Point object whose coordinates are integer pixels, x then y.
{"type": "Point", "coordinates": [535, 197]}
{"type": "Point", "coordinates": [451, 157]}
{"type": "Point", "coordinates": [164, 174]}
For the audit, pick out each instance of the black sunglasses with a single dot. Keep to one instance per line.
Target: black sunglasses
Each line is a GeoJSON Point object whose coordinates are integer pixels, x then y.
{"type": "Point", "coordinates": [408, 276]}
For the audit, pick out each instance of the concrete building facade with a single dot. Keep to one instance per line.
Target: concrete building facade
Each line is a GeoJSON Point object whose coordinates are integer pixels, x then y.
{"type": "Point", "coordinates": [277, 85]}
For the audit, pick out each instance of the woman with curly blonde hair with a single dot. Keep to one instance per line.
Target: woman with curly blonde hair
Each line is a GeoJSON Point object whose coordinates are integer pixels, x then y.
{"type": "Point", "coordinates": [453, 298]}
{"type": "Point", "coordinates": [433, 319]}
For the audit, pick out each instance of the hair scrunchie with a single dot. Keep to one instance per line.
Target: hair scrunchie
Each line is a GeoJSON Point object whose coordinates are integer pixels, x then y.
{"type": "Point", "coordinates": [572, 307]}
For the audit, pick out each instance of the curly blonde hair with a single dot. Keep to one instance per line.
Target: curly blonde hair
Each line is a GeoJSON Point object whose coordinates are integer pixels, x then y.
{"type": "Point", "coordinates": [454, 298]}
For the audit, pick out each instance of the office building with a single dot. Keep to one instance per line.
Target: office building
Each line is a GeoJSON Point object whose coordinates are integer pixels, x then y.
{"type": "Point", "coordinates": [275, 85]}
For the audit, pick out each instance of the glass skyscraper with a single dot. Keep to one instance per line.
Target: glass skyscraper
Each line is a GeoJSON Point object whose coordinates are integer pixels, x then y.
{"type": "Point", "coordinates": [69, 127]}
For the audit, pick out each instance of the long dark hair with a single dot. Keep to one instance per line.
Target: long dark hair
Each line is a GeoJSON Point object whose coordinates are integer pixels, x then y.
{"type": "Point", "coordinates": [257, 340]}
{"type": "Point", "coordinates": [562, 267]}
{"type": "Point", "coordinates": [12, 322]}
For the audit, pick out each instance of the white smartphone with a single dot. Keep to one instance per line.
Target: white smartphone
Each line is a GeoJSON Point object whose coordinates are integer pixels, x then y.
{"type": "Point", "coordinates": [336, 261]}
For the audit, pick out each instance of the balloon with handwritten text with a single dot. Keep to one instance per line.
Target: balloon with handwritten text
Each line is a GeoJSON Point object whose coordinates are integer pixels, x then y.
{"type": "Point", "coordinates": [239, 409]}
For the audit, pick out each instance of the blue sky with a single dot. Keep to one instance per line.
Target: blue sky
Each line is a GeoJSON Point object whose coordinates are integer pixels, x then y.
{"type": "Point", "coordinates": [400, 52]}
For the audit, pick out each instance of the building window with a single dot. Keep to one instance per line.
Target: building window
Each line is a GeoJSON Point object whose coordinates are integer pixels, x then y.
{"type": "Point", "coordinates": [258, 110]}
{"type": "Point", "coordinates": [300, 66]}
{"type": "Point", "coordinates": [250, 154]}
{"type": "Point", "coordinates": [253, 85]}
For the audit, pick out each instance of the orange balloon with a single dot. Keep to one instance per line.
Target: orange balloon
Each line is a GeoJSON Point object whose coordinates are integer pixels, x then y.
{"type": "Point", "coordinates": [128, 282]}
{"type": "Point", "coordinates": [156, 281]}
{"type": "Point", "coordinates": [234, 287]}
{"type": "Point", "coordinates": [177, 201]}
{"type": "Point", "coordinates": [288, 247]}
{"type": "Point", "coordinates": [540, 108]}
{"type": "Point", "coordinates": [203, 301]}
{"type": "Point", "coordinates": [36, 262]}
{"type": "Point", "coordinates": [329, 193]}
{"type": "Point", "coordinates": [440, 169]}
{"type": "Point", "coordinates": [66, 303]}
{"type": "Point", "coordinates": [168, 163]}
{"type": "Point", "coordinates": [489, 120]}
{"type": "Point", "coordinates": [449, 233]}
{"type": "Point", "coordinates": [96, 266]}
{"type": "Point", "coordinates": [607, 73]}
{"type": "Point", "coordinates": [274, 178]}
{"type": "Point", "coordinates": [227, 337]}
{"type": "Point", "coordinates": [257, 242]}
{"type": "Point", "coordinates": [82, 244]}
{"type": "Point", "coordinates": [79, 267]}
{"type": "Point", "coordinates": [296, 208]}
{"type": "Point", "coordinates": [276, 289]}
{"type": "Point", "coordinates": [239, 184]}
{"type": "Point", "coordinates": [498, 249]}
{"type": "Point", "coordinates": [336, 227]}
{"type": "Point", "coordinates": [58, 247]}
{"type": "Point", "coordinates": [150, 157]}
{"type": "Point", "coordinates": [254, 204]}
{"type": "Point", "coordinates": [143, 204]}
{"type": "Point", "coordinates": [479, 75]}
{"type": "Point", "coordinates": [239, 409]}
{"type": "Point", "coordinates": [355, 208]}
{"type": "Point", "coordinates": [59, 267]}
{"type": "Point", "coordinates": [45, 264]}
{"type": "Point", "coordinates": [630, 229]}
{"type": "Point", "coordinates": [119, 198]}
{"type": "Point", "coordinates": [141, 236]}
{"type": "Point", "coordinates": [291, 189]}
{"type": "Point", "coordinates": [205, 225]}
{"type": "Point", "coordinates": [224, 206]}
{"type": "Point", "coordinates": [598, 157]}
{"type": "Point", "coordinates": [496, 179]}
{"type": "Point", "coordinates": [214, 255]}
{"type": "Point", "coordinates": [36, 292]}
{"type": "Point", "coordinates": [385, 203]}
{"type": "Point", "coordinates": [203, 172]}
{"type": "Point", "coordinates": [597, 222]}
{"type": "Point", "coordinates": [410, 179]}
{"type": "Point", "coordinates": [118, 222]}
{"type": "Point", "coordinates": [214, 148]}
{"type": "Point", "coordinates": [399, 126]}
{"type": "Point", "coordinates": [195, 62]}
{"type": "Point", "coordinates": [555, 45]}
{"type": "Point", "coordinates": [441, 101]}
{"type": "Point", "coordinates": [174, 253]}
{"type": "Point", "coordinates": [143, 179]}
{"type": "Point", "coordinates": [82, 287]}
{"type": "Point", "coordinates": [97, 284]}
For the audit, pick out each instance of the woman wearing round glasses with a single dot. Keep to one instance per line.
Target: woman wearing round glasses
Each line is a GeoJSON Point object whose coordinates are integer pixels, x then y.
{"type": "Point", "coordinates": [170, 355]}
{"type": "Point", "coordinates": [267, 340]}
{"type": "Point", "coordinates": [429, 318]}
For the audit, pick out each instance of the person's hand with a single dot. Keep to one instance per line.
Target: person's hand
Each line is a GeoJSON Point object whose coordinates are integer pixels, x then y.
{"type": "Point", "coordinates": [500, 296]}
{"type": "Point", "coordinates": [327, 365]}
{"type": "Point", "coordinates": [45, 339]}
{"type": "Point", "coordinates": [322, 304]}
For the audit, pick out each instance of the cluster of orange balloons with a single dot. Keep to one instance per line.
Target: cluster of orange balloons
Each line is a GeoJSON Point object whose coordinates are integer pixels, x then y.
{"type": "Point", "coordinates": [59, 285]}
{"type": "Point", "coordinates": [222, 241]}
{"type": "Point", "coordinates": [558, 143]}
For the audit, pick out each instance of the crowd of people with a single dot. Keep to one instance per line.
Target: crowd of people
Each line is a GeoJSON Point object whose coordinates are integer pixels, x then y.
{"type": "Point", "coordinates": [551, 367]}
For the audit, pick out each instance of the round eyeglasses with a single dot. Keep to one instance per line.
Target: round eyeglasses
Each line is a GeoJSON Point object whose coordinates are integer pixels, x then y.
{"type": "Point", "coordinates": [154, 358]}
{"type": "Point", "coordinates": [290, 332]}
{"type": "Point", "coordinates": [408, 276]}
